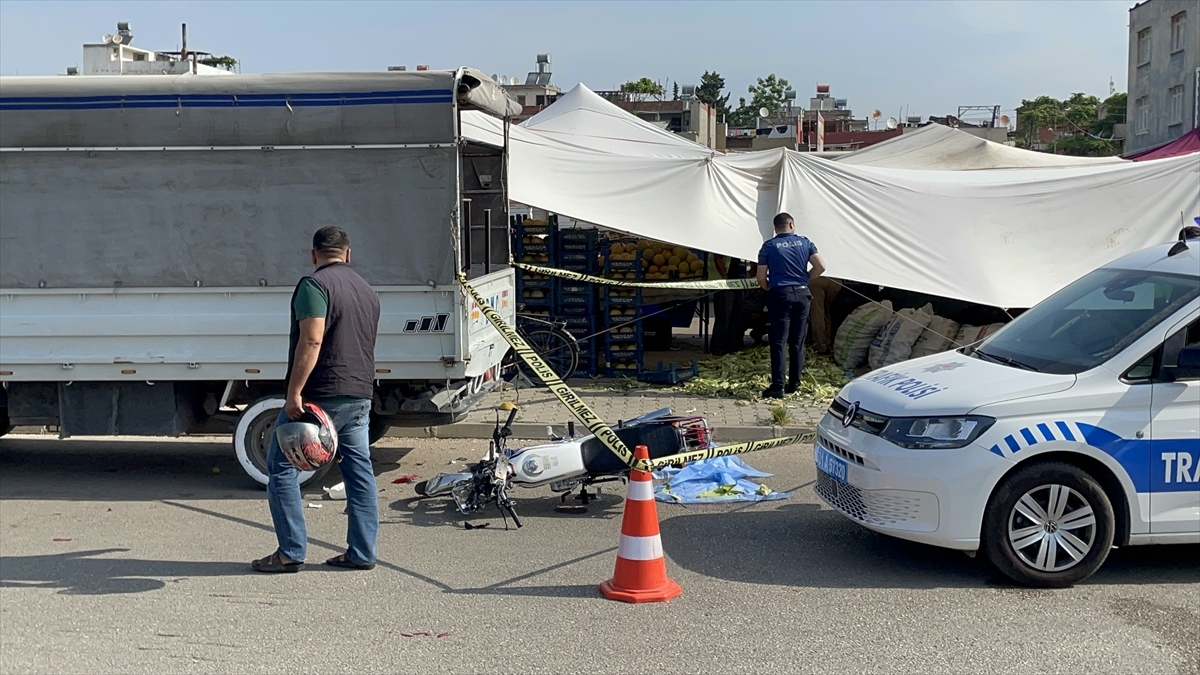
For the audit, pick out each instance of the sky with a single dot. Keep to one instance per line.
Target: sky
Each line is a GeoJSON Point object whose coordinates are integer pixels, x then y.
{"type": "Point", "coordinates": [922, 58]}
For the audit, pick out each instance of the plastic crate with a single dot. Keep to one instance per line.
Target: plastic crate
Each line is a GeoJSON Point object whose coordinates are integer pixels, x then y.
{"type": "Point", "coordinates": [540, 281]}
{"type": "Point", "coordinates": [619, 314]}
{"type": "Point", "coordinates": [622, 296]}
{"type": "Point", "coordinates": [668, 375]}
{"type": "Point", "coordinates": [579, 262]}
{"type": "Point", "coordinates": [579, 241]}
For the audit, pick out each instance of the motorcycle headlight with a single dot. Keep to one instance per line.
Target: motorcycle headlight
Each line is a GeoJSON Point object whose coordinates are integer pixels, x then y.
{"type": "Point", "coordinates": [935, 433]}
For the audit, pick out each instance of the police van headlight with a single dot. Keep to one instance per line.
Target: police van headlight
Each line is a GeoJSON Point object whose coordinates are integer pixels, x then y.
{"type": "Point", "coordinates": [935, 433]}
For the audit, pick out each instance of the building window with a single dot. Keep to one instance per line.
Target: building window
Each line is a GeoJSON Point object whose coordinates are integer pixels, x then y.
{"type": "Point", "coordinates": [1175, 94]}
{"type": "Point", "coordinates": [1143, 46]}
{"type": "Point", "coordinates": [1143, 115]}
{"type": "Point", "coordinates": [541, 99]}
{"type": "Point", "coordinates": [1177, 23]}
{"type": "Point", "coordinates": [521, 99]}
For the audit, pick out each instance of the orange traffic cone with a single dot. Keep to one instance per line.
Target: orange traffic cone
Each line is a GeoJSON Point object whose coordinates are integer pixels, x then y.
{"type": "Point", "coordinates": [641, 571]}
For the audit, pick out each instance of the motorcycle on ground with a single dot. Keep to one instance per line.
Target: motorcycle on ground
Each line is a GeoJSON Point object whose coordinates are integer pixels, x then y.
{"type": "Point", "coordinates": [564, 464]}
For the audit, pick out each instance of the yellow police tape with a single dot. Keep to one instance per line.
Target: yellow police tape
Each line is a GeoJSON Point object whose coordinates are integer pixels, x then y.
{"type": "Point", "coordinates": [711, 285]}
{"type": "Point", "coordinates": [588, 417]}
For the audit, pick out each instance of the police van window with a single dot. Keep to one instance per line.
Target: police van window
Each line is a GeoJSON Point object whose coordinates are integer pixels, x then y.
{"type": "Point", "coordinates": [1143, 370]}
{"type": "Point", "coordinates": [1090, 321]}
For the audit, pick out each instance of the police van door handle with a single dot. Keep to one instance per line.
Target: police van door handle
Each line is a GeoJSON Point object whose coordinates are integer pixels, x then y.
{"type": "Point", "coordinates": [1141, 434]}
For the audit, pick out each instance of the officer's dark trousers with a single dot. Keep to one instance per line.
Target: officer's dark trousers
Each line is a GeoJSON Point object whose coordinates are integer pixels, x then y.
{"type": "Point", "coordinates": [787, 312]}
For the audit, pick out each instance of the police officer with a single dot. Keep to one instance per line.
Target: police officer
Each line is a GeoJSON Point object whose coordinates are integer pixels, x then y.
{"type": "Point", "coordinates": [784, 273]}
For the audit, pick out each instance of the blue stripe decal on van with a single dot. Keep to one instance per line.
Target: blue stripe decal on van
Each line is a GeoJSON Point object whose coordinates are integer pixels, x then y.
{"type": "Point", "coordinates": [1066, 430]}
{"type": "Point", "coordinates": [1012, 443]}
{"type": "Point", "coordinates": [1046, 432]}
{"type": "Point", "coordinates": [1028, 437]}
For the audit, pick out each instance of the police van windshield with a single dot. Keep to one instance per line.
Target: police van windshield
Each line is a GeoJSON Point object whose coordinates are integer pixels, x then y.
{"type": "Point", "coordinates": [1089, 321]}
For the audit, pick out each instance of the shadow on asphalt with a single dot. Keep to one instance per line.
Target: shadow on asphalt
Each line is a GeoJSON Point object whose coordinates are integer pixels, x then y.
{"type": "Point", "coordinates": [139, 470]}
{"type": "Point", "coordinates": [83, 573]}
{"type": "Point", "coordinates": [531, 504]}
{"type": "Point", "coordinates": [800, 545]}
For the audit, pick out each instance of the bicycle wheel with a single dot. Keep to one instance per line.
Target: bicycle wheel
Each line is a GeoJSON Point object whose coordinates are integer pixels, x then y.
{"type": "Point", "coordinates": [556, 346]}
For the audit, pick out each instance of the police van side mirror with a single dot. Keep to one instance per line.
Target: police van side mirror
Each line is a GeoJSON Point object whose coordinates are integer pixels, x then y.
{"type": "Point", "coordinates": [1187, 367]}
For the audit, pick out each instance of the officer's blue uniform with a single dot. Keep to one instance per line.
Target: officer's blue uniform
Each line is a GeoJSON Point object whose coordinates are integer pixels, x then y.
{"type": "Point", "coordinates": [786, 258]}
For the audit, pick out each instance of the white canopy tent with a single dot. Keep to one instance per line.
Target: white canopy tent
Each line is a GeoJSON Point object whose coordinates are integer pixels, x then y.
{"type": "Point", "coordinates": [1006, 237]}
{"type": "Point", "coordinates": [940, 148]}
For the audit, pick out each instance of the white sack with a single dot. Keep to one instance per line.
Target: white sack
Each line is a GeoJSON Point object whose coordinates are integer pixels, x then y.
{"type": "Point", "coordinates": [894, 342]}
{"type": "Point", "coordinates": [938, 337]}
{"type": "Point", "coordinates": [854, 336]}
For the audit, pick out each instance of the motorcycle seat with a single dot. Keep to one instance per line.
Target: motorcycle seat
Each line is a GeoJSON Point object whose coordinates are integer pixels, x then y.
{"type": "Point", "coordinates": [661, 439]}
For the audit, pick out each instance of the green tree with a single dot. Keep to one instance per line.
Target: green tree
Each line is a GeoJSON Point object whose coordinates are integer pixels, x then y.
{"type": "Point", "coordinates": [227, 62]}
{"type": "Point", "coordinates": [1075, 122]}
{"type": "Point", "coordinates": [766, 93]}
{"type": "Point", "coordinates": [1114, 109]}
{"type": "Point", "coordinates": [709, 92]}
{"type": "Point", "coordinates": [640, 90]}
{"type": "Point", "coordinates": [674, 91]}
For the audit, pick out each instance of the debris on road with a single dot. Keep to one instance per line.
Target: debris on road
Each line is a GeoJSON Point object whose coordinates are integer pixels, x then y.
{"type": "Point", "coordinates": [406, 478]}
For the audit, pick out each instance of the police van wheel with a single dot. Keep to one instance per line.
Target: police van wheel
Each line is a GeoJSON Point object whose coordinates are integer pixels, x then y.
{"type": "Point", "coordinates": [1048, 525]}
{"type": "Point", "coordinates": [252, 437]}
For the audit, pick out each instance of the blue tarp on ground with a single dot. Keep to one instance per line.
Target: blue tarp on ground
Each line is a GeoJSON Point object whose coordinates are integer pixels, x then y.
{"type": "Point", "coordinates": [713, 481]}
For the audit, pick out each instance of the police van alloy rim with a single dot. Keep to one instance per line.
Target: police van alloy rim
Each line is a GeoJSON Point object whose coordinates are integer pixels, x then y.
{"type": "Point", "coordinates": [1052, 528]}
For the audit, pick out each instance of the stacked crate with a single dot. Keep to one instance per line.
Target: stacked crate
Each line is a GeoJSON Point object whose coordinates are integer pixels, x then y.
{"type": "Point", "coordinates": [534, 243]}
{"type": "Point", "coordinates": [577, 300]}
{"type": "Point", "coordinates": [621, 308]}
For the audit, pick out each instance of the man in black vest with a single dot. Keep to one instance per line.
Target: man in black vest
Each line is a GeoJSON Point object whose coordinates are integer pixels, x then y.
{"type": "Point", "coordinates": [331, 362]}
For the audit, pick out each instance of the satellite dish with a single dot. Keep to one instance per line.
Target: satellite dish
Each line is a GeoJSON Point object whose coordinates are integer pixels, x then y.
{"type": "Point", "coordinates": [892, 123]}
{"type": "Point", "coordinates": [763, 112]}
{"type": "Point", "coordinates": [875, 114]}
{"type": "Point", "coordinates": [1004, 120]}
{"type": "Point", "coordinates": [107, 38]}
{"type": "Point", "coordinates": [515, 80]}
{"type": "Point", "coordinates": [117, 39]}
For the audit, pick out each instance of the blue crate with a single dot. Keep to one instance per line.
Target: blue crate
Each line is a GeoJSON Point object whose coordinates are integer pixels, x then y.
{"type": "Point", "coordinates": [578, 241]}
{"type": "Point", "coordinates": [668, 375]}
{"type": "Point", "coordinates": [524, 281]}
{"type": "Point", "coordinates": [623, 300]}
{"type": "Point", "coordinates": [578, 262]}
{"type": "Point", "coordinates": [576, 300]}
{"type": "Point", "coordinates": [576, 287]}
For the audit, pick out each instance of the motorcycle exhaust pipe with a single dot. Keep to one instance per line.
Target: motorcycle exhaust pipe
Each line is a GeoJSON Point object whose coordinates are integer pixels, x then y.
{"type": "Point", "coordinates": [442, 484]}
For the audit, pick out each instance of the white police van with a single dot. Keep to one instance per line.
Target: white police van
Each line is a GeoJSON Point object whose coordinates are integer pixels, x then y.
{"type": "Point", "coordinates": [1074, 429]}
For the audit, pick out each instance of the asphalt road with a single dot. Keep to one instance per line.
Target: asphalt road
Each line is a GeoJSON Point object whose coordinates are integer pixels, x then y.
{"type": "Point", "coordinates": [132, 556]}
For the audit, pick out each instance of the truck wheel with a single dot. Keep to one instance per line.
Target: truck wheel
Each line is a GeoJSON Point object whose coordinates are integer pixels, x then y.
{"type": "Point", "coordinates": [252, 438]}
{"type": "Point", "coordinates": [1048, 525]}
{"type": "Point", "coordinates": [5, 427]}
{"type": "Point", "coordinates": [378, 428]}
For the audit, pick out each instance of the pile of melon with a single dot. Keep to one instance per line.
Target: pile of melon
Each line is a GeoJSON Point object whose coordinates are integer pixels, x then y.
{"type": "Point", "coordinates": [660, 260]}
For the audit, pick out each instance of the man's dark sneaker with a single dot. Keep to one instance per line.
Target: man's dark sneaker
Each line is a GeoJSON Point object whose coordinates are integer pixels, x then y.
{"type": "Point", "coordinates": [772, 393]}
{"type": "Point", "coordinates": [791, 388]}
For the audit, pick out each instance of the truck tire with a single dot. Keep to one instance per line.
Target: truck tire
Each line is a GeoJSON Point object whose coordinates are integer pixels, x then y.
{"type": "Point", "coordinates": [252, 437]}
{"type": "Point", "coordinates": [5, 427]}
{"type": "Point", "coordinates": [1048, 525]}
{"type": "Point", "coordinates": [378, 428]}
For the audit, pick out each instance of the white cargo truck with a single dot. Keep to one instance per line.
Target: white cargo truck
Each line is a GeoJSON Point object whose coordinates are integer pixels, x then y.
{"type": "Point", "coordinates": [152, 230]}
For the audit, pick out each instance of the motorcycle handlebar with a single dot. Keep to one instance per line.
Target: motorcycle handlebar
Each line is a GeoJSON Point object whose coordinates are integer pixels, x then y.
{"type": "Point", "coordinates": [512, 415]}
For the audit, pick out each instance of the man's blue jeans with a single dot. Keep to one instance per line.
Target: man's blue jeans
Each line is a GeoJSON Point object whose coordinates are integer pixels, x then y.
{"type": "Point", "coordinates": [352, 420]}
